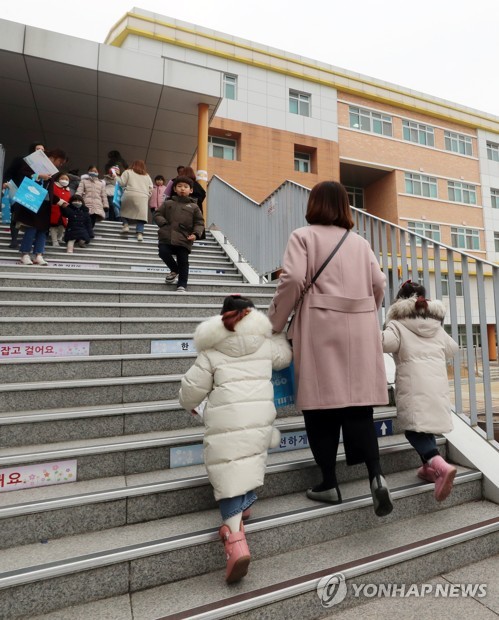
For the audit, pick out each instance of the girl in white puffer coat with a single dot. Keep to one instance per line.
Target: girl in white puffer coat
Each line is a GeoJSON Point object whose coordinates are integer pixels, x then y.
{"type": "Point", "coordinates": [420, 347]}
{"type": "Point", "coordinates": [236, 355]}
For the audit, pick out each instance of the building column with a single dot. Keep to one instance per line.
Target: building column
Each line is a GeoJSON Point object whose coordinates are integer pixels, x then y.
{"type": "Point", "coordinates": [202, 154]}
{"type": "Point", "coordinates": [491, 337]}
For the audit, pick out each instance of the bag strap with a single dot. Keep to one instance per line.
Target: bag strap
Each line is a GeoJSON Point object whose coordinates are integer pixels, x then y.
{"type": "Point", "coordinates": [321, 269]}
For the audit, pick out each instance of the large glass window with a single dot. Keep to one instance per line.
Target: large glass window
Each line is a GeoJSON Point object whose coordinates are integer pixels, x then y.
{"type": "Point", "coordinates": [222, 148]}
{"type": "Point", "coordinates": [493, 151]}
{"type": "Point", "coordinates": [465, 238]}
{"type": "Point", "coordinates": [367, 120]}
{"type": "Point", "coordinates": [496, 241]}
{"type": "Point", "coordinates": [356, 197]}
{"type": "Point", "coordinates": [462, 192]}
{"type": "Point", "coordinates": [458, 143]}
{"type": "Point", "coordinates": [299, 103]}
{"type": "Point", "coordinates": [426, 229]}
{"type": "Point", "coordinates": [494, 198]}
{"type": "Point", "coordinates": [421, 185]}
{"type": "Point", "coordinates": [230, 86]}
{"type": "Point", "coordinates": [419, 133]}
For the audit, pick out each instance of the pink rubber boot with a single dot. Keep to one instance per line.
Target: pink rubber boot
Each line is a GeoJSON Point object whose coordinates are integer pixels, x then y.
{"type": "Point", "coordinates": [445, 477]}
{"type": "Point", "coordinates": [427, 473]}
{"type": "Point", "coordinates": [236, 552]}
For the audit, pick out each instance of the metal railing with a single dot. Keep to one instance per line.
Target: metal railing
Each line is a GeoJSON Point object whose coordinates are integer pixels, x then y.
{"type": "Point", "coordinates": [469, 286]}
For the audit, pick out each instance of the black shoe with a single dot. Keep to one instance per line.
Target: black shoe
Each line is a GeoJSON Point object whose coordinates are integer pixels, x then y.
{"type": "Point", "coordinates": [381, 497]}
{"type": "Point", "coordinates": [330, 496]}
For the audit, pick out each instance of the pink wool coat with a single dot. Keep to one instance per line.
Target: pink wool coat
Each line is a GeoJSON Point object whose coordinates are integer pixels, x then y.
{"type": "Point", "coordinates": [337, 350]}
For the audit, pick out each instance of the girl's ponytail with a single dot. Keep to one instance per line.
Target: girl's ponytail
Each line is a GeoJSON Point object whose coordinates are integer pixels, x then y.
{"type": "Point", "coordinates": [234, 309]}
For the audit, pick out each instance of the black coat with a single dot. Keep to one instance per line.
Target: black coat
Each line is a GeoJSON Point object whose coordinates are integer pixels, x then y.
{"type": "Point", "coordinates": [79, 223]}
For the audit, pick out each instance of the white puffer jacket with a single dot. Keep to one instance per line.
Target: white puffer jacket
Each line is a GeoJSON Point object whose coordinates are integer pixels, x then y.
{"type": "Point", "coordinates": [420, 347]}
{"type": "Point", "coordinates": [234, 370]}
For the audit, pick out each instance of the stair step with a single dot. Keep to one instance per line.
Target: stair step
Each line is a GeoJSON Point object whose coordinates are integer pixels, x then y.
{"type": "Point", "coordinates": [141, 556]}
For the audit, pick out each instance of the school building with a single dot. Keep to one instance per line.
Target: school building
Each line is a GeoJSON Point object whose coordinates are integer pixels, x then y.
{"type": "Point", "coordinates": [172, 93]}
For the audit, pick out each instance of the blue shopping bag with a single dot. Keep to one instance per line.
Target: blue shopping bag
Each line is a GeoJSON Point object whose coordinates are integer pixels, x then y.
{"type": "Point", "coordinates": [284, 386]}
{"type": "Point", "coordinates": [6, 211]}
{"type": "Point", "coordinates": [118, 193]}
{"type": "Point", "coordinates": [30, 195]}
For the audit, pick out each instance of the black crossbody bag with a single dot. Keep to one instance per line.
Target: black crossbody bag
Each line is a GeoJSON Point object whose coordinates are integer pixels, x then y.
{"type": "Point", "coordinates": [306, 289]}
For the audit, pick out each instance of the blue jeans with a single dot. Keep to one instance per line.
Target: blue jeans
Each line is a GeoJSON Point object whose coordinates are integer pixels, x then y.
{"type": "Point", "coordinates": [425, 444]}
{"type": "Point", "coordinates": [232, 506]}
{"type": "Point", "coordinates": [139, 225]}
{"type": "Point", "coordinates": [38, 237]}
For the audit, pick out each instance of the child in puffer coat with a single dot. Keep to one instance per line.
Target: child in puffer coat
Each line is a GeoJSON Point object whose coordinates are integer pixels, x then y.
{"type": "Point", "coordinates": [79, 228]}
{"type": "Point", "coordinates": [420, 347]}
{"type": "Point", "coordinates": [236, 355]}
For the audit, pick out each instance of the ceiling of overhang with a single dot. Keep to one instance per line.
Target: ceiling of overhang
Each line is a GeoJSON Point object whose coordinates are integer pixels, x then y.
{"type": "Point", "coordinates": [87, 113]}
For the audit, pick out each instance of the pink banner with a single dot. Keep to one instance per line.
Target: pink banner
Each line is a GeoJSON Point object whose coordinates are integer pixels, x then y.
{"type": "Point", "coordinates": [39, 475]}
{"type": "Point", "coordinates": [43, 349]}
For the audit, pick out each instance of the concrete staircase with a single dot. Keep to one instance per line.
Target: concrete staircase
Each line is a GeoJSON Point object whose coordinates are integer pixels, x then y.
{"type": "Point", "coordinates": [135, 536]}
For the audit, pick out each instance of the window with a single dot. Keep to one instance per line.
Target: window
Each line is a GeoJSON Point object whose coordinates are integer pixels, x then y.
{"type": "Point", "coordinates": [299, 103]}
{"type": "Point", "coordinates": [458, 143]}
{"type": "Point", "coordinates": [466, 238]}
{"type": "Point", "coordinates": [421, 185]}
{"type": "Point", "coordinates": [230, 86]}
{"type": "Point", "coordinates": [494, 198]}
{"type": "Point", "coordinates": [496, 241]}
{"type": "Point", "coordinates": [356, 197]}
{"type": "Point", "coordinates": [222, 148]}
{"type": "Point", "coordinates": [302, 162]}
{"type": "Point", "coordinates": [458, 279]}
{"type": "Point", "coordinates": [366, 120]}
{"type": "Point", "coordinates": [493, 151]}
{"type": "Point", "coordinates": [462, 192]}
{"type": "Point", "coordinates": [416, 132]}
{"type": "Point", "coordinates": [426, 229]}
{"type": "Point", "coordinates": [475, 334]}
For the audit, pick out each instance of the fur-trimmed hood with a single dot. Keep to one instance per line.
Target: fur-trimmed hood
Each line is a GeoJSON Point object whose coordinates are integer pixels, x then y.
{"type": "Point", "coordinates": [249, 334]}
{"type": "Point", "coordinates": [423, 322]}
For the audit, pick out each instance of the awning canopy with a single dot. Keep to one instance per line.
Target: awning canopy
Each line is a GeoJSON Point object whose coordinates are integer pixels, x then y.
{"type": "Point", "coordinates": [88, 98]}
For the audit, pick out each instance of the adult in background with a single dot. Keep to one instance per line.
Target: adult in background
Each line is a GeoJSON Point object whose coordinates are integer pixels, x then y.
{"type": "Point", "coordinates": [137, 189]}
{"type": "Point", "coordinates": [36, 225]}
{"type": "Point", "coordinates": [16, 171]}
{"type": "Point", "coordinates": [115, 159]}
{"type": "Point", "coordinates": [338, 357]}
{"type": "Point", "coordinates": [169, 185]}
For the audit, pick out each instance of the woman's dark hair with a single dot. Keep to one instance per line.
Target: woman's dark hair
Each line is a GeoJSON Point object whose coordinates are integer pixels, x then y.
{"type": "Point", "coordinates": [183, 179]}
{"type": "Point", "coordinates": [139, 166]}
{"type": "Point", "coordinates": [159, 177]}
{"type": "Point", "coordinates": [412, 289]}
{"type": "Point", "coordinates": [57, 154]}
{"type": "Point", "coordinates": [114, 155]}
{"type": "Point", "coordinates": [328, 204]}
{"type": "Point", "coordinates": [189, 172]}
{"type": "Point", "coordinates": [179, 168]}
{"type": "Point", "coordinates": [92, 166]}
{"type": "Point", "coordinates": [235, 308]}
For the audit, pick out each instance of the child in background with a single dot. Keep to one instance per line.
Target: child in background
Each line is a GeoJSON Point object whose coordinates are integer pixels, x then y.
{"type": "Point", "coordinates": [236, 355]}
{"type": "Point", "coordinates": [420, 347]}
{"type": "Point", "coordinates": [79, 228]}
{"type": "Point", "coordinates": [180, 223]}
{"type": "Point", "coordinates": [93, 191]}
{"type": "Point", "coordinates": [60, 198]}
{"type": "Point", "coordinates": [158, 194]}
{"type": "Point", "coordinates": [110, 182]}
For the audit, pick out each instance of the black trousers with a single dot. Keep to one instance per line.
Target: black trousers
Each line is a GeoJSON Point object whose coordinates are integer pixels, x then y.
{"type": "Point", "coordinates": [359, 439]}
{"type": "Point", "coordinates": [181, 265]}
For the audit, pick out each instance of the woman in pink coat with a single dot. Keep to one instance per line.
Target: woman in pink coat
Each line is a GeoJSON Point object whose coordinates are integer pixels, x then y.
{"type": "Point", "coordinates": [337, 350]}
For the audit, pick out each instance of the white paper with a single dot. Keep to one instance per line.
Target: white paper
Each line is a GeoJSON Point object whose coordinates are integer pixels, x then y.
{"type": "Point", "coordinates": [40, 163]}
{"type": "Point", "coordinates": [200, 408]}
{"type": "Point", "coordinates": [12, 187]}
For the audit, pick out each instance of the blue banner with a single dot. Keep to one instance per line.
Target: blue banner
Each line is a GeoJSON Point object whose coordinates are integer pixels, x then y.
{"type": "Point", "coordinates": [30, 195]}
